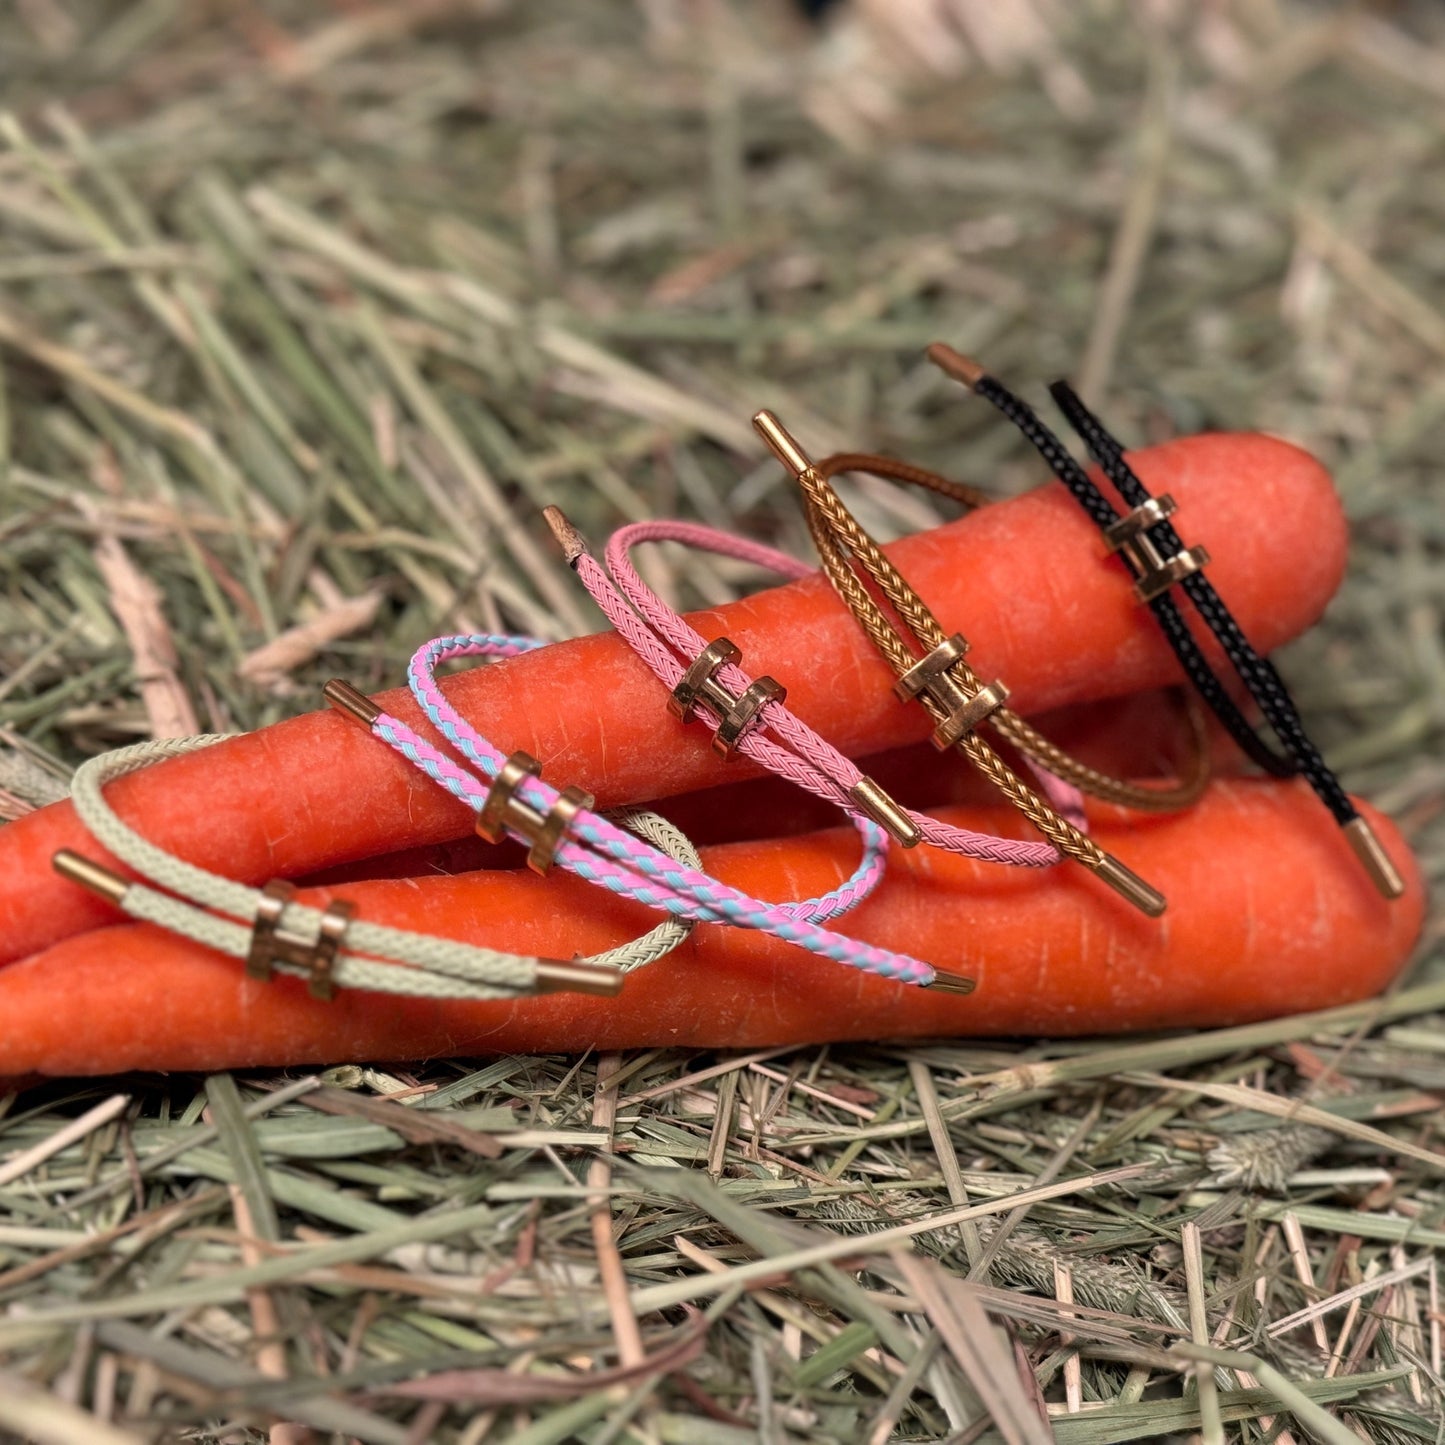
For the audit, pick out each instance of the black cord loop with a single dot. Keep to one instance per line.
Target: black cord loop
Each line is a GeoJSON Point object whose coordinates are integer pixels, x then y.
{"type": "Point", "coordinates": [1165, 608]}
{"type": "Point", "coordinates": [1265, 686]}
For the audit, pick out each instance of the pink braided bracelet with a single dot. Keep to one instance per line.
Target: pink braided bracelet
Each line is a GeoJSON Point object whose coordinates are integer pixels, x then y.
{"type": "Point", "coordinates": [508, 796]}
{"type": "Point", "coordinates": [704, 679]}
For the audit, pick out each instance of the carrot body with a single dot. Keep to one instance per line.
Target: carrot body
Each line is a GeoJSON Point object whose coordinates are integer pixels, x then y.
{"type": "Point", "coordinates": [1026, 580]}
{"type": "Point", "coordinates": [1269, 913]}
{"type": "Point", "coordinates": [1143, 735]}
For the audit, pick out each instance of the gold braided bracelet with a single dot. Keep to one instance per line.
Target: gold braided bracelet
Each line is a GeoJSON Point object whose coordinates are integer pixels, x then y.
{"type": "Point", "coordinates": [942, 679]}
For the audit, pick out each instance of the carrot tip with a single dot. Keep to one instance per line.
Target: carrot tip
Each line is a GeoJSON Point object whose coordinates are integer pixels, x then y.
{"type": "Point", "coordinates": [955, 364]}
{"type": "Point", "coordinates": [571, 541]}
{"type": "Point", "coordinates": [1371, 853]}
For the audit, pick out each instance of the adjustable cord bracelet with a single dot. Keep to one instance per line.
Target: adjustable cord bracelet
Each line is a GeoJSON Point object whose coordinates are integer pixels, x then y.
{"type": "Point", "coordinates": [324, 946]}
{"type": "Point", "coordinates": [941, 679]}
{"type": "Point", "coordinates": [708, 684]}
{"type": "Point", "coordinates": [705, 678]}
{"type": "Point", "coordinates": [1158, 559]}
{"type": "Point", "coordinates": [511, 798]}
{"type": "Point", "coordinates": [493, 825]}
{"type": "Point", "coordinates": [834, 528]}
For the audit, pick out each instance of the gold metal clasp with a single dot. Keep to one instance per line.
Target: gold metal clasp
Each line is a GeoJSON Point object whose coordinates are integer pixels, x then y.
{"type": "Point", "coordinates": [345, 698]}
{"type": "Point", "coordinates": [558, 975]}
{"type": "Point", "coordinates": [507, 811]}
{"type": "Point", "coordinates": [942, 982]}
{"type": "Point", "coordinates": [930, 677]}
{"type": "Point", "coordinates": [886, 811]}
{"type": "Point", "coordinates": [1376, 862]}
{"type": "Point", "coordinates": [271, 944]}
{"type": "Point", "coordinates": [569, 539]}
{"type": "Point", "coordinates": [89, 874]}
{"type": "Point", "coordinates": [736, 713]}
{"type": "Point", "coordinates": [1153, 571]}
{"type": "Point", "coordinates": [781, 443]}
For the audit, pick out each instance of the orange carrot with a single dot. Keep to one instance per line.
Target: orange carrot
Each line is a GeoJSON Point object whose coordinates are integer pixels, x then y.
{"type": "Point", "coordinates": [1268, 914]}
{"type": "Point", "coordinates": [1026, 580]}
{"type": "Point", "coordinates": [1142, 734]}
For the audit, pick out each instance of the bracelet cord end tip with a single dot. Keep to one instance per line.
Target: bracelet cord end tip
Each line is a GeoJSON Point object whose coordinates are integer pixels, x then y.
{"type": "Point", "coordinates": [955, 364]}
{"type": "Point", "coordinates": [1365, 843]}
{"type": "Point", "coordinates": [345, 698]}
{"type": "Point", "coordinates": [569, 539]}
{"type": "Point", "coordinates": [782, 443]}
{"type": "Point", "coordinates": [955, 983]}
{"type": "Point", "coordinates": [884, 810]}
{"type": "Point", "coordinates": [1131, 887]}
{"type": "Point", "coordinates": [89, 874]}
{"type": "Point", "coordinates": [556, 975]}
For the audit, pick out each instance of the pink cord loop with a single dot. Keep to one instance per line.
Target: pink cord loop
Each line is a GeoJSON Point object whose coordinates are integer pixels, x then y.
{"type": "Point", "coordinates": [594, 848]}
{"type": "Point", "coordinates": [773, 735]}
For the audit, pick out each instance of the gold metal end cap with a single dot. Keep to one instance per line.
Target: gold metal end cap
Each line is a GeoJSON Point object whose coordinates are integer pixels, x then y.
{"type": "Point", "coordinates": [556, 975]}
{"type": "Point", "coordinates": [781, 443]}
{"type": "Point", "coordinates": [1129, 885]}
{"type": "Point", "coordinates": [569, 539]}
{"type": "Point", "coordinates": [345, 698]}
{"type": "Point", "coordinates": [889, 814]}
{"type": "Point", "coordinates": [956, 365]}
{"type": "Point", "coordinates": [1376, 862]}
{"type": "Point", "coordinates": [942, 982]}
{"type": "Point", "coordinates": [110, 886]}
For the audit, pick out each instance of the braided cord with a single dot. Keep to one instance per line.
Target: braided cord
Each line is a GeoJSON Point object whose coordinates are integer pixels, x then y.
{"type": "Point", "coordinates": [1258, 673]}
{"type": "Point", "coordinates": [1165, 797]}
{"type": "Point", "coordinates": [149, 906]}
{"type": "Point", "coordinates": [598, 851]}
{"type": "Point", "coordinates": [655, 620]}
{"type": "Point", "coordinates": [432, 967]}
{"type": "Point", "coordinates": [833, 527]}
{"type": "Point", "coordinates": [462, 736]}
{"type": "Point", "coordinates": [1166, 610]}
{"type": "Point", "coordinates": [800, 767]}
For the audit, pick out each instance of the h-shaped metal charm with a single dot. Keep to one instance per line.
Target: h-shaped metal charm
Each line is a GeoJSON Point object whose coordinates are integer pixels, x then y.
{"type": "Point", "coordinates": [507, 811]}
{"type": "Point", "coordinates": [1153, 571]}
{"type": "Point", "coordinates": [271, 944]}
{"type": "Point", "coordinates": [931, 678]}
{"type": "Point", "coordinates": [736, 714]}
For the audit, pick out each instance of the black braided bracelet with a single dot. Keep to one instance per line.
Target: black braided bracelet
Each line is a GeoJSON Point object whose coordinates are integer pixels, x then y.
{"type": "Point", "coordinates": [1158, 558]}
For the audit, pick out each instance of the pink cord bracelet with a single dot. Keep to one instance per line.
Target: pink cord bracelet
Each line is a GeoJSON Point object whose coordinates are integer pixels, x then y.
{"type": "Point", "coordinates": [510, 798]}
{"type": "Point", "coordinates": [747, 715]}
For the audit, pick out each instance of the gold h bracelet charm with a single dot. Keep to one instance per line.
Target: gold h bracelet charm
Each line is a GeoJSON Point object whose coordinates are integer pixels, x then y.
{"type": "Point", "coordinates": [931, 678]}
{"type": "Point", "coordinates": [736, 715]}
{"type": "Point", "coordinates": [271, 944]}
{"type": "Point", "coordinates": [1153, 572]}
{"type": "Point", "coordinates": [507, 811]}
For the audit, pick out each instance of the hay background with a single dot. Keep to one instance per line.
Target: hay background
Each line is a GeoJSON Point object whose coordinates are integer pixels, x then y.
{"type": "Point", "coordinates": [298, 301]}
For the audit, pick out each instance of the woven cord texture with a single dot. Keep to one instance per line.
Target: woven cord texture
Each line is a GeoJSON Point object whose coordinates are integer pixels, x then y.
{"type": "Point", "coordinates": [637, 859]}
{"type": "Point", "coordinates": [221, 934]}
{"type": "Point", "coordinates": [834, 527]}
{"type": "Point", "coordinates": [827, 520]}
{"type": "Point", "coordinates": [646, 875]}
{"type": "Point", "coordinates": [499, 974]}
{"type": "Point", "coordinates": [1176, 631]}
{"type": "Point", "coordinates": [1258, 674]}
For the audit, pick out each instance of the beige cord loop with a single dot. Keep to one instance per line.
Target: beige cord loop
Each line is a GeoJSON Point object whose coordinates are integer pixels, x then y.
{"type": "Point", "coordinates": [323, 945]}
{"type": "Point", "coordinates": [941, 678]}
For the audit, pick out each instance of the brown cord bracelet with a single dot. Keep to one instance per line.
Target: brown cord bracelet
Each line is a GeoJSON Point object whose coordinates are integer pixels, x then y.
{"type": "Point", "coordinates": [837, 535]}
{"type": "Point", "coordinates": [942, 680]}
